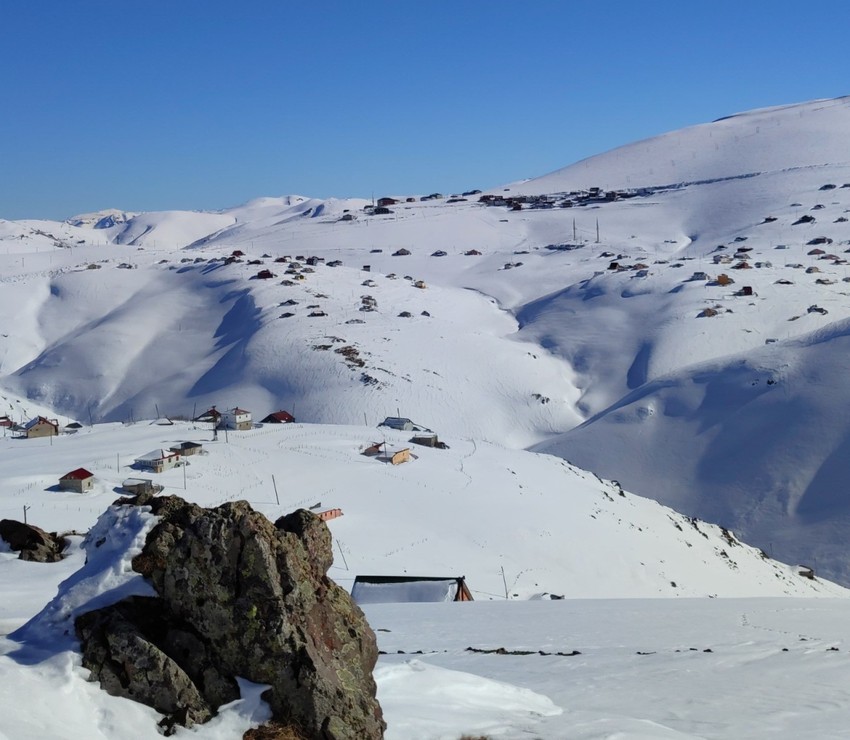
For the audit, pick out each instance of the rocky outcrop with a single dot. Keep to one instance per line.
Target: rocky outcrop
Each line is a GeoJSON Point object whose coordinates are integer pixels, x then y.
{"type": "Point", "coordinates": [31, 542]}
{"type": "Point", "coordinates": [239, 596]}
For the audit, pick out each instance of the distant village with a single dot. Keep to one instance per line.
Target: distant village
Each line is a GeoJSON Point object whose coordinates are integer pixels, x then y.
{"type": "Point", "coordinates": [366, 588]}
{"type": "Point", "coordinates": [81, 480]}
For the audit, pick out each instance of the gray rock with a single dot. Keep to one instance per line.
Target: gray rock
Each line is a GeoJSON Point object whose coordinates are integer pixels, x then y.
{"type": "Point", "coordinates": [124, 648]}
{"type": "Point", "coordinates": [32, 543]}
{"type": "Point", "coordinates": [240, 596]}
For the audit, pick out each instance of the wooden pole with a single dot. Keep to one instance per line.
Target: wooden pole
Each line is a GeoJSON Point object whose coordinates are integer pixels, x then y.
{"type": "Point", "coordinates": [339, 547]}
{"type": "Point", "coordinates": [277, 498]}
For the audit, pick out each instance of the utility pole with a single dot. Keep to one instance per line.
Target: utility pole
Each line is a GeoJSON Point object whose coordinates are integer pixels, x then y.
{"type": "Point", "coordinates": [597, 231]}
{"type": "Point", "coordinates": [277, 498]}
{"type": "Point", "coordinates": [26, 509]}
{"type": "Point", "coordinates": [339, 547]}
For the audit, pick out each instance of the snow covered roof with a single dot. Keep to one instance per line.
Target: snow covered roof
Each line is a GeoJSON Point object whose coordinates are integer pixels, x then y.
{"type": "Point", "coordinates": [156, 455]}
{"type": "Point", "coordinates": [136, 482]}
{"type": "Point", "coordinates": [403, 589]}
{"type": "Point", "coordinates": [403, 423]}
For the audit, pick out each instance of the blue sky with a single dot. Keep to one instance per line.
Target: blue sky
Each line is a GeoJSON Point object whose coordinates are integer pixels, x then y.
{"type": "Point", "coordinates": [203, 104]}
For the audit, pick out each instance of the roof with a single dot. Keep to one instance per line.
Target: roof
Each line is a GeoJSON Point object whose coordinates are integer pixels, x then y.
{"type": "Point", "coordinates": [212, 413]}
{"type": "Point", "coordinates": [156, 455]}
{"type": "Point", "coordinates": [237, 410]}
{"type": "Point", "coordinates": [38, 419]}
{"type": "Point", "coordinates": [136, 482]}
{"type": "Point", "coordinates": [404, 424]}
{"type": "Point", "coordinates": [395, 421]}
{"type": "Point", "coordinates": [281, 416]}
{"type": "Point", "coordinates": [78, 474]}
{"type": "Point", "coordinates": [405, 589]}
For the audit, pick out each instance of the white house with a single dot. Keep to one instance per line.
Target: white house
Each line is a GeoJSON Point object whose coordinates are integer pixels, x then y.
{"type": "Point", "coordinates": [237, 418]}
{"type": "Point", "coordinates": [158, 460]}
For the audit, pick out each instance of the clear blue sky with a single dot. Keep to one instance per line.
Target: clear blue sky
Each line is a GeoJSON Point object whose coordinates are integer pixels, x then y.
{"type": "Point", "coordinates": [204, 104]}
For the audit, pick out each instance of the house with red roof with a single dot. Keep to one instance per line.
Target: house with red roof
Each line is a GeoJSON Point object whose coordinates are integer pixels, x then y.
{"type": "Point", "coordinates": [279, 417]}
{"type": "Point", "coordinates": [79, 481]}
{"type": "Point", "coordinates": [237, 418]}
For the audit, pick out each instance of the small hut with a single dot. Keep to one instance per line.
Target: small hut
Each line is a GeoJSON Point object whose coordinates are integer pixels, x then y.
{"type": "Point", "coordinates": [79, 481]}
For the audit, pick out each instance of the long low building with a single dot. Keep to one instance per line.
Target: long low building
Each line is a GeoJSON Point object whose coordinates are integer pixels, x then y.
{"type": "Point", "coordinates": [405, 589]}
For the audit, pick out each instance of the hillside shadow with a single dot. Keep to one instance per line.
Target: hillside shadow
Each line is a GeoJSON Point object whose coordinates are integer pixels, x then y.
{"type": "Point", "coordinates": [826, 498]}
{"type": "Point", "coordinates": [235, 331]}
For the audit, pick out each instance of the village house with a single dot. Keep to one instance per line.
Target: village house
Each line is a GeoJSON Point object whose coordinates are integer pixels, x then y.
{"type": "Point", "coordinates": [41, 427]}
{"type": "Point", "coordinates": [186, 449]}
{"type": "Point", "coordinates": [402, 424]}
{"type": "Point", "coordinates": [279, 417]}
{"type": "Point", "coordinates": [409, 589]}
{"type": "Point", "coordinates": [158, 461]}
{"type": "Point", "coordinates": [138, 486]}
{"type": "Point", "coordinates": [238, 419]}
{"type": "Point", "coordinates": [428, 440]}
{"type": "Point", "coordinates": [79, 481]}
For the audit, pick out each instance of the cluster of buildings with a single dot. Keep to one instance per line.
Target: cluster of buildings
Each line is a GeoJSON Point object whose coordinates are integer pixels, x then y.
{"type": "Point", "coordinates": [39, 426]}
{"type": "Point", "coordinates": [159, 460]}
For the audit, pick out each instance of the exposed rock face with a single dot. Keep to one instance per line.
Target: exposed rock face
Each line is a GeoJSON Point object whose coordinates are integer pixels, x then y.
{"type": "Point", "coordinates": [239, 596]}
{"type": "Point", "coordinates": [31, 542]}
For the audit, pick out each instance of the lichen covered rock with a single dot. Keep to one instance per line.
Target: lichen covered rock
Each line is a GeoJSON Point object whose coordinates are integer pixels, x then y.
{"type": "Point", "coordinates": [239, 596]}
{"type": "Point", "coordinates": [32, 543]}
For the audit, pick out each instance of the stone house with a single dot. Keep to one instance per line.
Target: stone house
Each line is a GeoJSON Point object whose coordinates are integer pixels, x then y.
{"type": "Point", "coordinates": [79, 481]}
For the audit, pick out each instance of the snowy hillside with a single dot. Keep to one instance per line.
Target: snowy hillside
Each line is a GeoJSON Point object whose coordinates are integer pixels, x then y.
{"type": "Point", "coordinates": [508, 520]}
{"type": "Point", "coordinates": [757, 142]}
{"type": "Point", "coordinates": [520, 323]}
{"type": "Point", "coordinates": [473, 509]}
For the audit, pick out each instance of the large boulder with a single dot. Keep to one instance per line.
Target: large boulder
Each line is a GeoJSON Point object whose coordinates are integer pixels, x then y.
{"type": "Point", "coordinates": [32, 543]}
{"type": "Point", "coordinates": [239, 596]}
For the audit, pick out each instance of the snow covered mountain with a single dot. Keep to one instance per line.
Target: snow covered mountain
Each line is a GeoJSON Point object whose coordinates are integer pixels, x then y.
{"type": "Point", "coordinates": [670, 314]}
